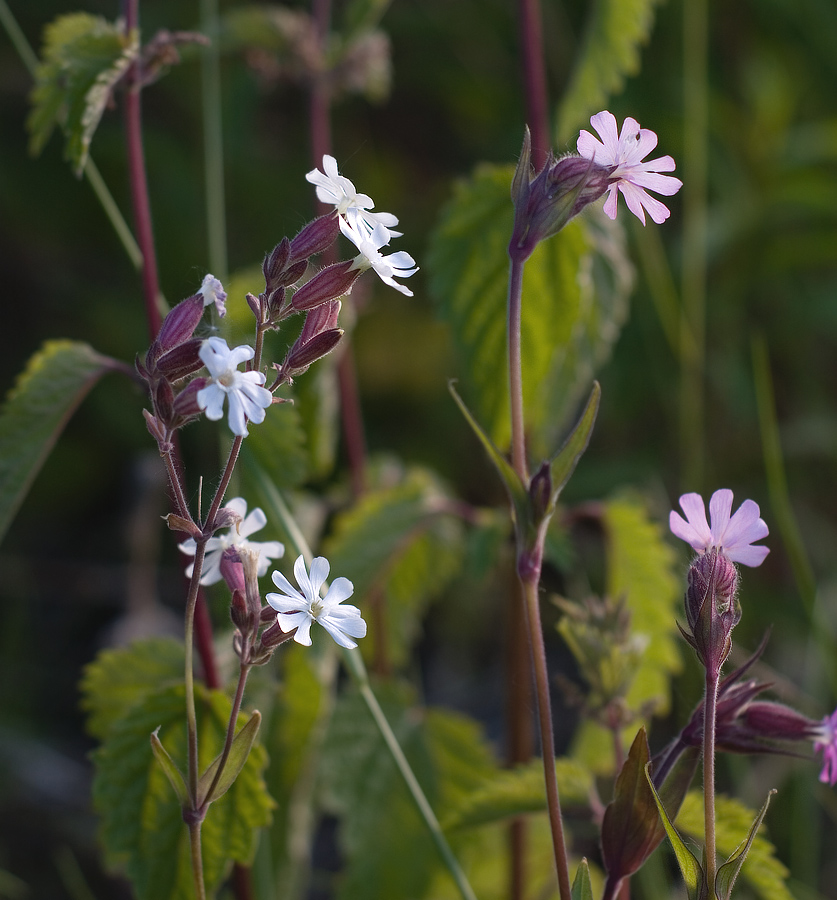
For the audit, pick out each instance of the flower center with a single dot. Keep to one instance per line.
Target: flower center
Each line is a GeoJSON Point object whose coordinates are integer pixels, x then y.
{"type": "Point", "coordinates": [227, 379]}
{"type": "Point", "coordinates": [317, 608]}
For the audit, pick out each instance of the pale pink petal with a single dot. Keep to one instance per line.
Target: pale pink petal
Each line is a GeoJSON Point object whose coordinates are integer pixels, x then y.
{"type": "Point", "coordinates": [720, 506]}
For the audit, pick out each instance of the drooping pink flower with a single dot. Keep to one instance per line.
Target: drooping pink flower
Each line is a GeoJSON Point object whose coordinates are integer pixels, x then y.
{"type": "Point", "coordinates": [734, 537]}
{"type": "Point", "coordinates": [633, 177]}
{"type": "Point", "coordinates": [827, 742]}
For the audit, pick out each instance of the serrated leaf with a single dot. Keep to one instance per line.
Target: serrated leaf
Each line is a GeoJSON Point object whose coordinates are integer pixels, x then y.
{"type": "Point", "coordinates": [388, 850]}
{"type": "Point", "coordinates": [690, 868]}
{"type": "Point", "coordinates": [142, 829]}
{"type": "Point", "coordinates": [762, 871]}
{"type": "Point", "coordinates": [84, 56]}
{"type": "Point", "coordinates": [53, 384]}
{"type": "Point", "coordinates": [615, 31]}
{"type": "Point", "coordinates": [398, 551]}
{"type": "Point", "coordinates": [520, 791]}
{"type": "Point", "coordinates": [582, 889]}
{"type": "Point", "coordinates": [574, 302]}
{"type": "Point", "coordinates": [120, 678]}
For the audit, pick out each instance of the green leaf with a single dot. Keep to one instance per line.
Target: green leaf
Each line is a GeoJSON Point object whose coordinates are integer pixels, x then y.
{"type": "Point", "coordinates": [55, 381]}
{"type": "Point", "coordinates": [388, 851]}
{"type": "Point", "coordinates": [142, 829]}
{"type": "Point", "coordinates": [582, 889]}
{"type": "Point", "coordinates": [239, 752]}
{"type": "Point", "coordinates": [729, 871]}
{"type": "Point", "coordinates": [520, 791]}
{"type": "Point", "coordinates": [563, 464]}
{"type": "Point", "coordinates": [84, 56]}
{"type": "Point", "coordinates": [169, 766]}
{"type": "Point", "coordinates": [575, 289]}
{"type": "Point", "coordinates": [690, 868]}
{"type": "Point", "coordinates": [518, 494]}
{"type": "Point", "coordinates": [615, 31]}
{"type": "Point", "coordinates": [119, 679]}
{"type": "Point", "coordinates": [762, 871]}
{"type": "Point", "coordinates": [278, 446]}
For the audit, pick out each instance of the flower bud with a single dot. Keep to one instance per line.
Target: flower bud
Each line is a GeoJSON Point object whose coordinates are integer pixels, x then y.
{"type": "Point", "coordinates": [181, 360]}
{"type": "Point", "coordinates": [180, 324]}
{"type": "Point", "coordinates": [712, 608]}
{"type": "Point", "coordinates": [164, 400]}
{"type": "Point", "coordinates": [315, 237]}
{"type": "Point", "coordinates": [330, 283]}
{"type": "Point", "coordinates": [543, 204]}
{"type": "Point", "coordinates": [186, 402]}
{"type": "Point", "coordinates": [302, 356]}
{"type": "Point", "coordinates": [255, 304]}
{"type": "Point", "coordinates": [240, 614]}
{"type": "Point", "coordinates": [275, 263]}
{"type": "Point", "coordinates": [232, 571]}
{"type": "Point", "coordinates": [540, 492]}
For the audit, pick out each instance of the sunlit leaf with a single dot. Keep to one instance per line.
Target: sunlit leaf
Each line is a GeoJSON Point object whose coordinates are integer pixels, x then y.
{"type": "Point", "coordinates": [615, 32]}
{"type": "Point", "coordinates": [84, 56]}
{"type": "Point", "coordinates": [47, 393]}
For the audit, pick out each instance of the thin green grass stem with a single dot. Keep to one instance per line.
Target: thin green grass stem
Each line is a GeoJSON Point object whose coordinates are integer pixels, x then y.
{"type": "Point", "coordinates": [357, 669]}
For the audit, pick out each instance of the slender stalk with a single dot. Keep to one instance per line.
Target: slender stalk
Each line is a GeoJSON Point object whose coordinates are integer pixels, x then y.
{"type": "Point", "coordinates": [709, 714]}
{"type": "Point", "coordinates": [243, 672]}
{"type": "Point", "coordinates": [533, 615]}
{"type": "Point", "coordinates": [213, 142]}
{"type": "Point", "coordinates": [693, 291]}
{"type": "Point", "coordinates": [534, 79]}
{"type": "Point", "coordinates": [197, 861]}
{"type": "Point", "coordinates": [189, 675]}
{"type": "Point", "coordinates": [516, 369]}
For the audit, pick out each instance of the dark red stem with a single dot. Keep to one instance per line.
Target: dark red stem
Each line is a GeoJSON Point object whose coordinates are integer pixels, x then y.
{"type": "Point", "coordinates": [534, 79]}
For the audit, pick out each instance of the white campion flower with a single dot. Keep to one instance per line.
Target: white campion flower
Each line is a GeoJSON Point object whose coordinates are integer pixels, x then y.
{"type": "Point", "coordinates": [399, 264]}
{"type": "Point", "coordinates": [236, 537]}
{"type": "Point", "coordinates": [213, 292]}
{"type": "Point", "coordinates": [300, 610]}
{"type": "Point", "coordinates": [625, 152]}
{"type": "Point", "coordinates": [246, 397]}
{"type": "Point", "coordinates": [335, 189]}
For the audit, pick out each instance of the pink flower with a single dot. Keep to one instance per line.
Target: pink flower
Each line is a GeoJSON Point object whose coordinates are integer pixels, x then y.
{"type": "Point", "coordinates": [734, 536]}
{"type": "Point", "coordinates": [630, 175]}
{"type": "Point", "coordinates": [827, 742]}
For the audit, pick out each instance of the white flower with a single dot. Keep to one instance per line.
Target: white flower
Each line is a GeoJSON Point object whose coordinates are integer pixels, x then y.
{"type": "Point", "coordinates": [335, 189]}
{"type": "Point", "coordinates": [246, 397]}
{"type": "Point", "coordinates": [399, 264]}
{"type": "Point", "coordinates": [632, 176]}
{"type": "Point", "coordinates": [300, 610]}
{"type": "Point", "coordinates": [732, 536]}
{"type": "Point", "coordinates": [235, 537]}
{"type": "Point", "coordinates": [213, 292]}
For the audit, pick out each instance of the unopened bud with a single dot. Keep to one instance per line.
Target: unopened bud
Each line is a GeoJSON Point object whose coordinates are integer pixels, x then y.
{"type": "Point", "coordinates": [275, 263]}
{"type": "Point", "coordinates": [240, 614]}
{"type": "Point", "coordinates": [302, 356]}
{"type": "Point", "coordinates": [712, 608]}
{"type": "Point", "coordinates": [180, 324]}
{"type": "Point", "coordinates": [540, 492]}
{"type": "Point", "coordinates": [186, 402]}
{"type": "Point", "coordinates": [181, 361]}
{"type": "Point", "coordinates": [255, 306]}
{"type": "Point", "coordinates": [231, 570]}
{"type": "Point", "coordinates": [330, 283]}
{"type": "Point", "coordinates": [164, 400]}
{"type": "Point", "coordinates": [315, 237]}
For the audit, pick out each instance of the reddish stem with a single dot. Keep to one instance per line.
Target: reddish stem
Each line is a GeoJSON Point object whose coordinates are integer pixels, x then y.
{"type": "Point", "coordinates": [534, 79]}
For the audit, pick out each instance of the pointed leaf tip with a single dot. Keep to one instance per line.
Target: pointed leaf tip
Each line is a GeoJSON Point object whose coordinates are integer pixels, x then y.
{"type": "Point", "coordinates": [582, 889]}
{"type": "Point", "coordinates": [566, 459]}
{"type": "Point", "coordinates": [728, 872]}
{"type": "Point", "coordinates": [168, 766]}
{"type": "Point", "coordinates": [239, 751]}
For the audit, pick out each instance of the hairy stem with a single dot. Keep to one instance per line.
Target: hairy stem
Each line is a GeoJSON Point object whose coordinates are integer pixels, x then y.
{"type": "Point", "coordinates": [515, 369]}
{"type": "Point", "coordinates": [536, 643]}
{"type": "Point", "coordinates": [197, 861]}
{"type": "Point", "coordinates": [709, 713]}
{"type": "Point", "coordinates": [189, 675]}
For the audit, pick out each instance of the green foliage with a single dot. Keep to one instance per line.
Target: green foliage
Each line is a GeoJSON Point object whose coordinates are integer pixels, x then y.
{"type": "Point", "coordinates": [518, 791]}
{"type": "Point", "coordinates": [389, 853]}
{"type": "Point", "coordinates": [733, 821]}
{"type": "Point", "coordinates": [399, 550]}
{"type": "Point", "coordinates": [575, 290]}
{"type": "Point", "coordinates": [615, 31]}
{"type": "Point", "coordinates": [142, 831]}
{"type": "Point", "coordinates": [84, 56]}
{"type": "Point", "coordinates": [640, 566]}
{"type": "Point", "coordinates": [582, 889]}
{"type": "Point", "coordinates": [48, 391]}
{"type": "Point", "coordinates": [278, 446]}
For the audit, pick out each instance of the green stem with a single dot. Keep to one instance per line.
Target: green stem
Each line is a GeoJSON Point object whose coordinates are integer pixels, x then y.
{"type": "Point", "coordinates": [516, 369]}
{"type": "Point", "coordinates": [709, 715]}
{"type": "Point", "coordinates": [189, 675]}
{"type": "Point", "coordinates": [536, 643]}
{"type": "Point", "coordinates": [197, 861]}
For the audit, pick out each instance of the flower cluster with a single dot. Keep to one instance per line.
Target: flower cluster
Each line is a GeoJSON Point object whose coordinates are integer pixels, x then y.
{"type": "Point", "coordinates": [368, 231]}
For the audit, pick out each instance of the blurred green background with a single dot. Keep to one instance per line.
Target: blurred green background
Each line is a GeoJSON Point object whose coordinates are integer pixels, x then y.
{"type": "Point", "coordinates": [456, 99]}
